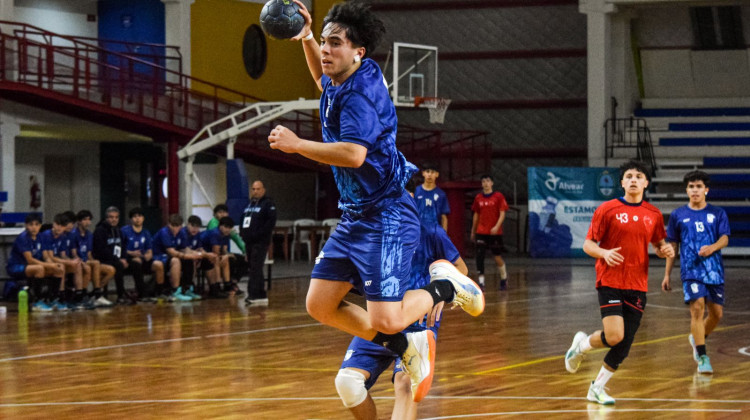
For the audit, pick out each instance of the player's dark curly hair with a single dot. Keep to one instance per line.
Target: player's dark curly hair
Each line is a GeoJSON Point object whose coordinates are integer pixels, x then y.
{"type": "Point", "coordinates": [697, 176]}
{"type": "Point", "coordinates": [360, 24]}
{"type": "Point", "coordinates": [638, 166]}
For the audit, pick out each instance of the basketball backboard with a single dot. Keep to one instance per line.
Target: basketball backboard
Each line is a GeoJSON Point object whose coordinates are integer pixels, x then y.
{"type": "Point", "coordinates": [415, 72]}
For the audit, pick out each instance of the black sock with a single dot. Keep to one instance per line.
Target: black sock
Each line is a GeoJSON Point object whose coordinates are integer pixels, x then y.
{"type": "Point", "coordinates": [701, 350]}
{"type": "Point", "coordinates": [97, 292]}
{"type": "Point", "coordinates": [78, 295]}
{"type": "Point", "coordinates": [441, 291]}
{"type": "Point", "coordinates": [394, 342]}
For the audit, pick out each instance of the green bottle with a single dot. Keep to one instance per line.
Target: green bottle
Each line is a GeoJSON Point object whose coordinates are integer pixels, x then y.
{"type": "Point", "coordinates": [23, 301]}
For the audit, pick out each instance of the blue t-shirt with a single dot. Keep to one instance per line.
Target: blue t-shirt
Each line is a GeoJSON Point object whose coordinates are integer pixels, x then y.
{"type": "Point", "coordinates": [212, 237]}
{"type": "Point", "coordinates": [82, 243]}
{"type": "Point", "coordinates": [57, 245]}
{"type": "Point", "coordinates": [692, 229]}
{"type": "Point", "coordinates": [360, 111]}
{"type": "Point", "coordinates": [24, 243]}
{"type": "Point", "coordinates": [193, 241]}
{"type": "Point", "coordinates": [137, 241]}
{"type": "Point", "coordinates": [164, 239]}
{"type": "Point", "coordinates": [431, 205]}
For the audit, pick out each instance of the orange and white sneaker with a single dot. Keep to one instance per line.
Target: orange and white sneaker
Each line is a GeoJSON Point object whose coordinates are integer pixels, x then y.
{"type": "Point", "coordinates": [468, 295]}
{"type": "Point", "coordinates": [418, 361]}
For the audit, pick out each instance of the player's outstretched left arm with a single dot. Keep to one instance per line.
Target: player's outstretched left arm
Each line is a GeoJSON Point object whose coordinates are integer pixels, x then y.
{"type": "Point", "coordinates": [342, 154]}
{"type": "Point", "coordinates": [664, 249]}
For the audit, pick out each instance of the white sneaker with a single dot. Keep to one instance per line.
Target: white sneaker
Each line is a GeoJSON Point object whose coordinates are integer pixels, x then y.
{"type": "Point", "coordinates": [468, 294]}
{"type": "Point", "coordinates": [418, 361]}
{"type": "Point", "coordinates": [598, 395]}
{"type": "Point", "coordinates": [481, 280]}
{"type": "Point", "coordinates": [574, 355]}
{"type": "Point", "coordinates": [103, 302]}
{"type": "Point", "coordinates": [695, 350]}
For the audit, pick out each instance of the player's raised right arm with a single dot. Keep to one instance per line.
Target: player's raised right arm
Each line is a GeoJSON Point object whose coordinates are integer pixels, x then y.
{"type": "Point", "coordinates": [310, 46]}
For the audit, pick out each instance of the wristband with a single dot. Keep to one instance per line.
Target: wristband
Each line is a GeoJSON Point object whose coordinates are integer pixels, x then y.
{"type": "Point", "coordinates": [308, 36]}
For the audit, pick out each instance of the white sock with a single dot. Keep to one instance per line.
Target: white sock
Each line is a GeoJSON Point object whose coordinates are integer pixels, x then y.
{"type": "Point", "coordinates": [585, 345]}
{"type": "Point", "coordinates": [481, 279]}
{"type": "Point", "coordinates": [603, 377]}
{"type": "Point", "coordinates": [503, 273]}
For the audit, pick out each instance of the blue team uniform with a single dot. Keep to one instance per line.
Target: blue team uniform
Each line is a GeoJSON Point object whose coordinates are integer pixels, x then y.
{"type": "Point", "coordinates": [17, 263]}
{"type": "Point", "coordinates": [193, 241]}
{"type": "Point", "coordinates": [164, 239]}
{"type": "Point", "coordinates": [373, 358]}
{"type": "Point", "coordinates": [431, 205]}
{"type": "Point", "coordinates": [212, 237]}
{"type": "Point", "coordinates": [82, 243]}
{"type": "Point", "coordinates": [57, 245]}
{"type": "Point", "coordinates": [692, 229]}
{"type": "Point", "coordinates": [379, 229]}
{"type": "Point", "coordinates": [137, 241]}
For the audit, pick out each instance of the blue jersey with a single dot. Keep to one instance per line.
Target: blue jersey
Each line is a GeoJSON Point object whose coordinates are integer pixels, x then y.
{"type": "Point", "coordinates": [57, 245]}
{"type": "Point", "coordinates": [24, 243]}
{"type": "Point", "coordinates": [212, 237]}
{"type": "Point", "coordinates": [82, 243]}
{"type": "Point", "coordinates": [137, 241]}
{"type": "Point", "coordinates": [693, 229]}
{"type": "Point", "coordinates": [431, 205]}
{"type": "Point", "coordinates": [360, 111]}
{"type": "Point", "coordinates": [193, 241]}
{"type": "Point", "coordinates": [164, 239]}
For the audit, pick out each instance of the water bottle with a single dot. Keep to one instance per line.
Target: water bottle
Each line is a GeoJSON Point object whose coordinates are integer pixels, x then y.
{"type": "Point", "coordinates": [23, 301]}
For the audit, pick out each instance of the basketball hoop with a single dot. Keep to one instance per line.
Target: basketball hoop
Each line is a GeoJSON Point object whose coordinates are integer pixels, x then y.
{"type": "Point", "coordinates": [436, 106]}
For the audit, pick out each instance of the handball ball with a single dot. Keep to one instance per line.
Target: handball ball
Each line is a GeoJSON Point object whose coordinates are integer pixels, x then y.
{"type": "Point", "coordinates": [281, 19]}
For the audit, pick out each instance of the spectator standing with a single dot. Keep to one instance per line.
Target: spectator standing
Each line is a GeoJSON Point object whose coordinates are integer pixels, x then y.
{"type": "Point", "coordinates": [258, 221]}
{"type": "Point", "coordinates": [489, 209]}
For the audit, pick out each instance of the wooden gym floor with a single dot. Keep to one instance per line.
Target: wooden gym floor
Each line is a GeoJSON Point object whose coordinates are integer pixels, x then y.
{"type": "Point", "coordinates": [218, 359]}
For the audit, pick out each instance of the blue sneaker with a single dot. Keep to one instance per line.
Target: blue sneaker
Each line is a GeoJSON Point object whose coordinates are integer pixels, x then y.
{"type": "Point", "coordinates": [40, 306]}
{"type": "Point", "coordinates": [468, 294]}
{"type": "Point", "coordinates": [194, 296]}
{"type": "Point", "coordinates": [178, 296]}
{"type": "Point", "coordinates": [59, 306]}
{"type": "Point", "coordinates": [695, 350]}
{"type": "Point", "coordinates": [704, 365]}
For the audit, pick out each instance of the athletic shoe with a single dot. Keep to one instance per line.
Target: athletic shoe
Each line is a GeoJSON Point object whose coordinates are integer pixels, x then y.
{"type": "Point", "coordinates": [467, 295]}
{"type": "Point", "coordinates": [147, 299]}
{"type": "Point", "coordinates": [695, 349]}
{"type": "Point", "coordinates": [256, 302]}
{"type": "Point", "coordinates": [40, 306]}
{"type": "Point", "coordinates": [481, 281]}
{"type": "Point", "coordinates": [418, 361]}
{"type": "Point", "coordinates": [103, 302]}
{"type": "Point", "coordinates": [704, 365]}
{"type": "Point", "coordinates": [179, 296]}
{"type": "Point", "coordinates": [599, 396]}
{"type": "Point", "coordinates": [59, 306]}
{"type": "Point", "coordinates": [125, 301]}
{"type": "Point", "coordinates": [574, 355]}
{"type": "Point", "coordinates": [192, 294]}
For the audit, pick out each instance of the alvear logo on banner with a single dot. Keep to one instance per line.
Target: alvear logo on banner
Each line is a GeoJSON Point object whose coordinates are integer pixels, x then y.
{"type": "Point", "coordinates": [554, 183]}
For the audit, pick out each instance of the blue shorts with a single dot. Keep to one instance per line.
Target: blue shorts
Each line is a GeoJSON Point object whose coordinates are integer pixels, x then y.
{"type": "Point", "coordinates": [163, 258]}
{"type": "Point", "coordinates": [374, 358]}
{"type": "Point", "coordinates": [694, 290]}
{"type": "Point", "coordinates": [16, 271]}
{"type": "Point", "coordinates": [373, 253]}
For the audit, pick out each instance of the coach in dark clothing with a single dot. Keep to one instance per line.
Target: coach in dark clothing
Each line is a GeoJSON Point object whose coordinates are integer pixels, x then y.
{"type": "Point", "coordinates": [258, 221]}
{"type": "Point", "coordinates": [109, 248]}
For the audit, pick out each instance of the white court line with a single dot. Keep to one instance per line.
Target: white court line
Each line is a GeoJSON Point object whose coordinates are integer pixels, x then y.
{"type": "Point", "coordinates": [282, 399]}
{"type": "Point", "coordinates": [745, 351]}
{"type": "Point", "coordinates": [686, 308]}
{"type": "Point", "coordinates": [146, 343]}
{"type": "Point", "coordinates": [604, 411]}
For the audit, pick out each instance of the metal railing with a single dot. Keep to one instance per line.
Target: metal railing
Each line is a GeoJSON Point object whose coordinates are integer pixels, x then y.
{"type": "Point", "coordinates": [623, 133]}
{"type": "Point", "coordinates": [460, 155]}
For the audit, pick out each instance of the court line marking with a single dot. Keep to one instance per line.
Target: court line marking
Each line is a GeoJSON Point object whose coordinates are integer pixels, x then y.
{"type": "Point", "coordinates": [146, 343]}
{"type": "Point", "coordinates": [605, 411]}
{"type": "Point", "coordinates": [280, 399]}
{"type": "Point", "coordinates": [643, 343]}
{"type": "Point", "coordinates": [745, 351]}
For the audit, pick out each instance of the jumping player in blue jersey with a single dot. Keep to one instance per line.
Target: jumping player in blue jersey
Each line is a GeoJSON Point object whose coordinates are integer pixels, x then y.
{"type": "Point", "coordinates": [371, 249]}
{"type": "Point", "coordinates": [700, 231]}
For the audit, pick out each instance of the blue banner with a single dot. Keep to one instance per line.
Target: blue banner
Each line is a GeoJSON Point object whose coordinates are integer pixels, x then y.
{"type": "Point", "coordinates": [562, 202]}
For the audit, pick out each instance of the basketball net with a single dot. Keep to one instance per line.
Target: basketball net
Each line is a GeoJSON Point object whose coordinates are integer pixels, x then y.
{"type": "Point", "coordinates": [437, 108]}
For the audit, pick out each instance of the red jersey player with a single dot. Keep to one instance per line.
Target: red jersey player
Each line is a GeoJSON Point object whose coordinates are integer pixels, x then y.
{"type": "Point", "coordinates": [618, 238]}
{"type": "Point", "coordinates": [489, 209]}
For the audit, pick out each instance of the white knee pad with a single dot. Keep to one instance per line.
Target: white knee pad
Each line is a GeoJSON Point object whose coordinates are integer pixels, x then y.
{"type": "Point", "coordinates": [350, 385]}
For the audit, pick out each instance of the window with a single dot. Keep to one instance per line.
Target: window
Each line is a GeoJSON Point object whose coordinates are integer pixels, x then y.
{"type": "Point", "coordinates": [254, 51]}
{"type": "Point", "coordinates": [717, 28]}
